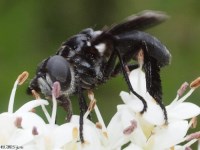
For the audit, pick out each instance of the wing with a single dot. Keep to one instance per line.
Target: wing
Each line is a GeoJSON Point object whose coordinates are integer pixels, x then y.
{"type": "Point", "coordinates": [140, 21]}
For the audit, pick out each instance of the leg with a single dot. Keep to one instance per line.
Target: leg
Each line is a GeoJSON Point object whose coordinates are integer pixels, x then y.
{"type": "Point", "coordinates": [65, 102]}
{"type": "Point", "coordinates": [153, 81]}
{"type": "Point", "coordinates": [128, 81]}
{"type": "Point", "coordinates": [110, 65]}
{"type": "Point", "coordinates": [117, 69]}
{"type": "Point", "coordinates": [83, 109]}
{"type": "Point", "coordinates": [112, 70]}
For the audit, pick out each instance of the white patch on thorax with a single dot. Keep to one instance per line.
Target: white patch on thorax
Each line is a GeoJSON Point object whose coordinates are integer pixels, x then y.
{"type": "Point", "coordinates": [88, 43]}
{"type": "Point", "coordinates": [101, 48]}
{"type": "Point", "coordinates": [96, 33]}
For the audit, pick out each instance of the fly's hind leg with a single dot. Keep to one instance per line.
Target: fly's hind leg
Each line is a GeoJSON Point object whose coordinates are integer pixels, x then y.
{"type": "Point", "coordinates": [124, 71]}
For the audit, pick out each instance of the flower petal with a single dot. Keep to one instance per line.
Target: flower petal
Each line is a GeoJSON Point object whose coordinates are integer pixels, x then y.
{"type": "Point", "coordinates": [64, 134]}
{"type": "Point", "coordinates": [184, 110]}
{"type": "Point", "coordinates": [138, 81]}
{"type": "Point", "coordinates": [7, 127]}
{"type": "Point", "coordinates": [168, 136]}
{"type": "Point", "coordinates": [30, 120]}
{"type": "Point", "coordinates": [20, 137]}
{"type": "Point", "coordinates": [131, 101]}
{"type": "Point", "coordinates": [154, 113]}
{"type": "Point", "coordinates": [115, 130]}
{"type": "Point", "coordinates": [132, 147]}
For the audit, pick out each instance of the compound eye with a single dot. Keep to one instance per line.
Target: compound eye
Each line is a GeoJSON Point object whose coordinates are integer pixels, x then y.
{"type": "Point", "coordinates": [58, 69]}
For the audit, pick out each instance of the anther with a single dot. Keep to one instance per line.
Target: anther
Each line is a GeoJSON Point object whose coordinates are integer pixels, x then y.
{"type": "Point", "coordinates": [35, 94]}
{"type": "Point", "coordinates": [98, 125]}
{"type": "Point", "coordinates": [35, 131]}
{"type": "Point", "coordinates": [195, 83]}
{"type": "Point", "coordinates": [18, 122]}
{"type": "Point", "coordinates": [130, 128]}
{"type": "Point", "coordinates": [22, 77]}
{"type": "Point", "coordinates": [192, 136]}
{"type": "Point", "coordinates": [182, 89]}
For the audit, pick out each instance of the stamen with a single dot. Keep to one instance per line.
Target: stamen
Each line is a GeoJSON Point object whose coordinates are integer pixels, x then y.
{"type": "Point", "coordinates": [180, 92]}
{"type": "Point", "coordinates": [96, 109]}
{"type": "Point", "coordinates": [12, 97]}
{"type": "Point", "coordinates": [188, 148]}
{"type": "Point", "coordinates": [92, 105]}
{"type": "Point", "coordinates": [35, 131]}
{"type": "Point", "coordinates": [198, 145]}
{"type": "Point", "coordinates": [22, 77]}
{"type": "Point", "coordinates": [90, 108]}
{"type": "Point", "coordinates": [18, 122]}
{"type": "Point", "coordinates": [187, 145]}
{"type": "Point", "coordinates": [130, 128]}
{"type": "Point", "coordinates": [55, 90]}
{"type": "Point", "coordinates": [37, 96]}
{"type": "Point", "coordinates": [53, 115]}
{"type": "Point", "coordinates": [193, 122]}
{"type": "Point", "coordinates": [195, 83]}
{"type": "Point", "coordinates": [20, 80]}
{"type": "Point", "coordinates": [192, 136]}
{"type": "Point", "coordinates": [186, 96]}
{"type": "Point", "coordinates": [182, 89]}
{"type": "Point", "coordinates": [175, 100]}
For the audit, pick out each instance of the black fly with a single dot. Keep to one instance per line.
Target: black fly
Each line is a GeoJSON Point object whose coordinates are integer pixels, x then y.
{"type": "Point", "coordinates": [90, 58]}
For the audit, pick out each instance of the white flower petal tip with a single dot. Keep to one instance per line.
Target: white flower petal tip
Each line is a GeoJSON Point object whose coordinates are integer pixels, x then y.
{"type": "Point", "coordinates": [32, 104]}
{"type": "Point", "coordinates": [138, 81]}
{"type": "Point", "coordinates": [184, 110]}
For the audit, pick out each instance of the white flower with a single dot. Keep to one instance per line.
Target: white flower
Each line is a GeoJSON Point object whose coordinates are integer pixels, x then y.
{"type": "Point", "coordinates": [128, 128]}
{"type": "Point", "coordinates": [151, 132]}
{"type": "Point", "coordinates": [16, 127]}
{"type": "Point", "coordinates": [65, 136]}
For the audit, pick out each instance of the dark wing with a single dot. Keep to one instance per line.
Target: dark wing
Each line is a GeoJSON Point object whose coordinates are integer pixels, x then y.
{"type": "Point", "coordinates": [140, 21]}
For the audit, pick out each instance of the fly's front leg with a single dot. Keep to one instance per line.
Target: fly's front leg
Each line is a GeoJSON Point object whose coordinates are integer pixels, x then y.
{"type": "Point", "coordinates": [110, 65]}
{"type": "Point", "coordinates": [83, 109]}
{"type": "Point", "coordinates": [65, 102]}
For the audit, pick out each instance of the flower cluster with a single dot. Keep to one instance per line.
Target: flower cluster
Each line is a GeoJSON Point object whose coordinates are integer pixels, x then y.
{"type": "Point", "coordinates": [128, 128]}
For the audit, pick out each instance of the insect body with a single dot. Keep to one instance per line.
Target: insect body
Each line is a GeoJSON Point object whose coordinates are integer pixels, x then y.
{"type": "Point", "coordinates": [90, 58]}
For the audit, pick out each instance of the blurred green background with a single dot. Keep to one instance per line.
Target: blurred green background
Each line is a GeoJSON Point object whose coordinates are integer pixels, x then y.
{"type": "Point", "coordinates": [32, 30]}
